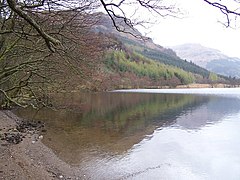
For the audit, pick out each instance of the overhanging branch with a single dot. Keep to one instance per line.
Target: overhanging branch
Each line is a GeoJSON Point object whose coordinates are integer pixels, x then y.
{"type": "Point", "coordinates": [50, 41]}
{"type": "Point", "coordinates": [224, 9]}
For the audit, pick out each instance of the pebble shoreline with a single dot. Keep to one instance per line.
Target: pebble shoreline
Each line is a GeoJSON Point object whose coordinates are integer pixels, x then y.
{"type": "Point", "coordinates": [23, 155]}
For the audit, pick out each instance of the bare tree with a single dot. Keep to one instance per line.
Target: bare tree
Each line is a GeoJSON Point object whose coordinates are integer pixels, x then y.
{"type": "Point", "coordinates": [36, 44]}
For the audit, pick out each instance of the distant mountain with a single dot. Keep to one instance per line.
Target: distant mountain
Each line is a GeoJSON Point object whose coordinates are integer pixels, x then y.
{"type": "Point", "coordinates": [211, 59]}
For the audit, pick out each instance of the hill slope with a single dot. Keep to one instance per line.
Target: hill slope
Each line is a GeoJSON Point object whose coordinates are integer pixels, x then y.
{"type": "Point", "coordinates": [147, 48]}
{"type": "Point", "coordinates": [209, 58]}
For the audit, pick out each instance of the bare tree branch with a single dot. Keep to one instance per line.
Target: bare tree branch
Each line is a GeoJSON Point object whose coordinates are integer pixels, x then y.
{"type": "Point", "coordinates": [50, 41]}
{"type": "Point", "coordinates": [225, 9]}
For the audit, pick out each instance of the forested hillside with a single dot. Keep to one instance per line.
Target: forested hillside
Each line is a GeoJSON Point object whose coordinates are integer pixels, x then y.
{"type": "Point", "coordinates": [166, 56]}
{"type": "Point", "coordinates": [155, 73]}
{"type": "Point", "coordinates": [144, 59]}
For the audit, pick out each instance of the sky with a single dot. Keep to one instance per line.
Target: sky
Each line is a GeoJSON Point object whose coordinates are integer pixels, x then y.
{"type": "Point", "coordinates": [201, 23]}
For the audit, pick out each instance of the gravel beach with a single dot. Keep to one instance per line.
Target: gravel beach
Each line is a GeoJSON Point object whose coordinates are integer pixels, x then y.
{"type": "Point", "coordinates": [23, 156]}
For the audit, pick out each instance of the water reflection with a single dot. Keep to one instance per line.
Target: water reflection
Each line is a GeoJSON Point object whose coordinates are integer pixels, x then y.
{"type": "Point", "coordinates": [209, 113]}
{"type": "Point", "coordinates": [111, 130]}
{"type": "Point", "coordinates": [108, 122]}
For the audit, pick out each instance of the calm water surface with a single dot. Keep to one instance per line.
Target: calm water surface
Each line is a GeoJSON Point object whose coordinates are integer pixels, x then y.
{"type": "Point", "coordinates": [147, 134]}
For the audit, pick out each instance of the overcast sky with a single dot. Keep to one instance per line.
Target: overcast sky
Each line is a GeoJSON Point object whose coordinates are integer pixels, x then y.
{"type": "Point", "coordinates": [200, 25]}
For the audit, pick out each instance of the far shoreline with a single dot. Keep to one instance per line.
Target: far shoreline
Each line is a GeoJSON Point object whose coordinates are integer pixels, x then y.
{"type": "Point", "coordinates": [188, 86]}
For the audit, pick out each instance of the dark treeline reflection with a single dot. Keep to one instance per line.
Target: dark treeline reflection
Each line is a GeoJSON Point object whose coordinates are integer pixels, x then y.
{"type": "Point", "coordinates": [89, 125]}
